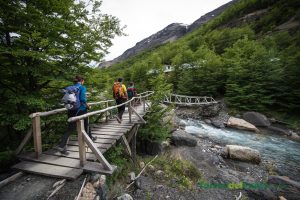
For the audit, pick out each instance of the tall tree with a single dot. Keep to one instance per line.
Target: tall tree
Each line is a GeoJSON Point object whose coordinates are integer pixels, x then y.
{"type": "Point", "coordinates": [42, 43]}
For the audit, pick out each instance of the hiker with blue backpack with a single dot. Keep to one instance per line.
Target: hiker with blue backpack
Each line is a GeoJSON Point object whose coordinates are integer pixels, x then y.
{"type": "Point", "coordinates": [75, 101]}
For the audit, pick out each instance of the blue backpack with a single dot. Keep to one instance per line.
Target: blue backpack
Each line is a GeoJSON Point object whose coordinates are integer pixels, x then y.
{"type": "Point", "coordinates": [71, 99]}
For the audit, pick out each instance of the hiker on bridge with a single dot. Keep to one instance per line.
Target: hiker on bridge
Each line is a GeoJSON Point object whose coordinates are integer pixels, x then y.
{"type": "Point", "coordinates": [120, 95]}
{"type": "Point", "coordinates": [131, 91]}
{"type": "Point", "coordinates": [80, 107]}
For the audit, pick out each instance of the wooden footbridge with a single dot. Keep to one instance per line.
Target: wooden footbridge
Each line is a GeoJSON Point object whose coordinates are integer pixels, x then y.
{"type": "Point", "coordinates": [189, 100]}
{"type": "Point", "coordinates": [83, 153]}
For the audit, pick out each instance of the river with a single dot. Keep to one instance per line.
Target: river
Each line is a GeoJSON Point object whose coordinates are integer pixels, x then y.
{"type": "Point", "coordinates": [283, 152]}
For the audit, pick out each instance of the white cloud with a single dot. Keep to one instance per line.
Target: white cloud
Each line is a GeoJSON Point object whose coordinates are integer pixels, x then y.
{"type": "Point", "coordinates": [145, 17]}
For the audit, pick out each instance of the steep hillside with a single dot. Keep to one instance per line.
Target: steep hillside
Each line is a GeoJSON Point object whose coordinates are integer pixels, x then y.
{"type": "Point", "coordinates": [249, 54]}
{"type": "Point", "coordinates": [170, 33]}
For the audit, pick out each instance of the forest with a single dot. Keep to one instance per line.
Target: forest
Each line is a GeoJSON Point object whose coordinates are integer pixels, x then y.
{"type": "Point", "coordinates": [253, 64]}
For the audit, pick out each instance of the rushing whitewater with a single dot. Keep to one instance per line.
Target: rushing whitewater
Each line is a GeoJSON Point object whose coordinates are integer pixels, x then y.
{"type": "Point", "coordinates": [283, 152]}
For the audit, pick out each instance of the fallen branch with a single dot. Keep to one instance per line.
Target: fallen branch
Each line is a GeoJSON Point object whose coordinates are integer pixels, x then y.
{"type": "Point", "coordinates": [141, 172]}
{"type": "Point", "coordinates": [239, 197]}
{"type": "Point", "coordinates": [58, 183]}
{"type": "Point", "coordinates": [78, 196]}
{"type": "Point", "coordinates": [57, 188]}
{"type": "Point", "coordinates": [11, 178]}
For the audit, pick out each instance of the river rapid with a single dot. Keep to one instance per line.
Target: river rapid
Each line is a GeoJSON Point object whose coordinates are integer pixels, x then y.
{"type": "Point", "coordinates": [283, 153]}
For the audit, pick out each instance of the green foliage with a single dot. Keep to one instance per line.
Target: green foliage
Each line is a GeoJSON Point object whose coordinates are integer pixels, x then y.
{"type": "Point", "coordinates": [7, 158]}
{"type": "Point", "coordinates": [115, 156]}
{"type": "Point", "coordinates": [43, 44]}
{"type": "Point", "coordinates": [155, 129]}
{"type": "Point", "coordinates": [184, 172]}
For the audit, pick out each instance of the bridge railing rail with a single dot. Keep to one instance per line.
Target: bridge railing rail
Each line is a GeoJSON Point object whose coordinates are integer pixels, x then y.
{"type": "Point", "coordinates": [189, 100]}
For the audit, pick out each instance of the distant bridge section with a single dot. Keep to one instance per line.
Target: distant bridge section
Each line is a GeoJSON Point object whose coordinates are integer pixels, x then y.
{"type": "Point", "coordinates": [189, 100]}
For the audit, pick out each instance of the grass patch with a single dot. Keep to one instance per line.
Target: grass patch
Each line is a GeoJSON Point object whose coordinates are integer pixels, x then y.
{"type": "Point", "coordinates": [177, 173]}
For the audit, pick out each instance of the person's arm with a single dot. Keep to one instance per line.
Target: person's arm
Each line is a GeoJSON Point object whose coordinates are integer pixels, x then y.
{"type": "Point", "coordinates": [82, 96]}
{"type": "Point", "coordinates": [124, 91]}
{"type": "Point", "coordinates": [135, 92]}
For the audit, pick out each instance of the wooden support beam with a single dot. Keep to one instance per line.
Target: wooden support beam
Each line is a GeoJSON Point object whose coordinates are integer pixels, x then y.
{"type": "Point", "coordinates": [107, 112]}
{"type": "Point", "coordinates": [131, 133]}
{"type": "Point", "coordinates": [96, 151]}
{"type": "Point", "coordinates": [129, 111]}
{"type": "Point", "coordinates": [81, 142]}
{"type": "Point", "coordinates": [24, 141]}
{"type": "Point", "coordinates": [147, 105]}
{"type": "Point", "coordinates": [133, 143]}
{"type": "Point", "coordinates": [37, 138]}
{"type": "Point", "coordinates": [126, 144]}
{"type": "Point", "coordinates": [141, 118]}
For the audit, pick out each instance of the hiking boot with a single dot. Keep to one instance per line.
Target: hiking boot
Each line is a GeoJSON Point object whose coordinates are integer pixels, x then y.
{"type": "Point", "coordinates": [64, 152]}
{"type": "Point", "coordinates": [118, 119]}
{"type": "Point", "coordinates": [93, 138]}
{"type": "Point", "coordinates": [58, 148]}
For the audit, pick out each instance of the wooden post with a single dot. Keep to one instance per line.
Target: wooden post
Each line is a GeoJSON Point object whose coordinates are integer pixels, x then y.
{"type": "Point", "coordinates": [144, 100]}
{"type": "Point", "coordinates": [81, 142]}
{"type": "Point", "coordinates": [107, 113]}
{"type": "Point", "coordinates": [133, 143]}
{"type": "Point", "coordinates": [37, 138]}
{"type": "Point", "coordinates": [129, 111]}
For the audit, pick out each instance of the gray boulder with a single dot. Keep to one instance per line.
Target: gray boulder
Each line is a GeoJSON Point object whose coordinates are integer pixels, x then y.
{"type": "Point", "coordinates": [241, 124]}
{"type": "Point", "coordinates": [241, 153]}
{"type": "Point", "coordinates": [125, 197]}
{"type": "Point", "coordinates": [257, 119]}
{"type": "Point", "coordinates": [217, 123]}
{"type": "Point", "coordinates": [182, 138]}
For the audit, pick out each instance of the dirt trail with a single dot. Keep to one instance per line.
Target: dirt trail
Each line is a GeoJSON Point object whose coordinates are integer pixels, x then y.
{"type": "Point", "coordinates": [34, 187]}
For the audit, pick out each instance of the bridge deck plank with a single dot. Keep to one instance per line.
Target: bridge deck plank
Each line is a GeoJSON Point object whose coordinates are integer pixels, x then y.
{"type": "Point", "coordinates": [49, 170]}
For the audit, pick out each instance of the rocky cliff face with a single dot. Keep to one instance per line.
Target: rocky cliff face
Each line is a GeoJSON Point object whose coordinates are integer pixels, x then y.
{"type": "Point", "coordinates": [170, 33]}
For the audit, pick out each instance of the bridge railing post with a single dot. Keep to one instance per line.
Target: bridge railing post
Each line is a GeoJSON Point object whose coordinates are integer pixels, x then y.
{"type": "Point", "coordinates": [129, 111]}
{"type": "Point", "coordinates": [81, 142]}
{"type": "Point", "coordinates": [144, 104]}
{"type": "Point", "coordinates": [37, 138]}
{"type": "Point", "coordinates": [107, 112]}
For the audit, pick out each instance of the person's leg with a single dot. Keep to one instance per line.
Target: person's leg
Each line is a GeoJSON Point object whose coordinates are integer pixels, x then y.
{"type": "Point", "coordinates": [122, 109]}
{"type": "Point", "coordinates": [71, 127]}
{"type": "Point", "coordinates": [118, 102]}
{"type": "Point", "coordinates": [86, 124]}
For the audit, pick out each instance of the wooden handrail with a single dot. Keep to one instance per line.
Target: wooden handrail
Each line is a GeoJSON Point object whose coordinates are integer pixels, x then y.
{"type": "Point", "coordinates": [73, 119]}
{"type": "Point", "coordinates": [52, 112]}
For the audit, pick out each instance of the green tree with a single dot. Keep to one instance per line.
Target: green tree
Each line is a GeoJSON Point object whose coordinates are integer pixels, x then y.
{"type": "Point", "coordinates": [154, 130]}
{"type": "Point", "coordinates": [252, 75]}
{"type": "Point", "coordinates": [43, 43]}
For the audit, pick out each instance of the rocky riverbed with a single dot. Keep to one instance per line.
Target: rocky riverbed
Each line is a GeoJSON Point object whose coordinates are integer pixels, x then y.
{"type": "Point", "coordinates": [225, 175]}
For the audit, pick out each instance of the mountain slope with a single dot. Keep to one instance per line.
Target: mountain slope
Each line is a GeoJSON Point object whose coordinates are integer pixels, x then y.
{"type": "Point", "coordinates": [170, 33]}
{"type": "Point", "coordinates": [249, 54]}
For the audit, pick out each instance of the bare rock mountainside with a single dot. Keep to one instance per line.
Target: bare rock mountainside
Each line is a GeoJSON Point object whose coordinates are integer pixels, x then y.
{"type": "Point", "coordinates": [170, 33]}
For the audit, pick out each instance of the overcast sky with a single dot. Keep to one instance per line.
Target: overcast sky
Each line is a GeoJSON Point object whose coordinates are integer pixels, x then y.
{"type": "Point", "coordinates": [146, 17]}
